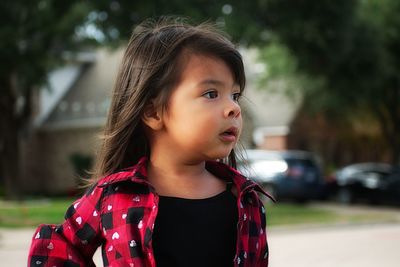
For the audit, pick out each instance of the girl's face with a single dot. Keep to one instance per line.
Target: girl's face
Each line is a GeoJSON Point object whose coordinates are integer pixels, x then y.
{"type": "Point", "coordinates": [203, 120]}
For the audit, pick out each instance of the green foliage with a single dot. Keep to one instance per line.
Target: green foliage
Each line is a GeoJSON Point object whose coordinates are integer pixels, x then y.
{"type": "Point", "coordinates": [34, 34]}
{"type": "Point", "coordinates": [281, 75]}
{"type": "Point", "coordinates": [116, 19]}
{"type": "Point", "coordinates": [342, 41]}
{"type": "Point", "coordinates": [351, 49]}
{"type": "Point", "coordinates": [82, 164]}
{"type": "Point", "coordinates": [317, 34]}
{"type": "Point", "coordinates": [319, 31]}
{"type": "Point", "coordinates": [279, 59]}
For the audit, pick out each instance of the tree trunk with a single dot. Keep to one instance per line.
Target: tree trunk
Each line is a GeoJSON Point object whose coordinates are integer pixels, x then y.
{"type": "Point", "coordinates": [389, 121]}
{"type": "Point", "coordinates": [393, 110]}
{"type": "Point", "coordinates": [395, 143]}
{"type": "Point", "coordinates": [9, 141]}
{"type": "Point", "coordinates": [396, 154]}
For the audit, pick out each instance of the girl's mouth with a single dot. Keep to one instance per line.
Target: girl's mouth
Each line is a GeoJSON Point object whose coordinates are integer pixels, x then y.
{"type": "Point", "coordinates": [230, 134]}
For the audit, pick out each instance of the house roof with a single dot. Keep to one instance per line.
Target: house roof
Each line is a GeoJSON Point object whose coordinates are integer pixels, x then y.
{"type": "Point", "coordinates": [80, 93]}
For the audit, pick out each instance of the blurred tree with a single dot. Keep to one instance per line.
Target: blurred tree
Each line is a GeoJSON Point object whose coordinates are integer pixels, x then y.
{"type": "Point", "coordinates": [352, 49]}
{"type": "Point", "coordinates": [34, 34]}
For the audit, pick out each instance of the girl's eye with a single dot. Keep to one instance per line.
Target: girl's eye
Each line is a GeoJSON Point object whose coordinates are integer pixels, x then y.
{"type": "Point", "coordinates": [236, 96]}
{"type": "Point", "coordinates": [211, 94]}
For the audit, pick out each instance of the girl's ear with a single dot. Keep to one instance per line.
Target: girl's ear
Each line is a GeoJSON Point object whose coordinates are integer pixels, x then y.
{"type": "Point", "coordinates": [152, 117]}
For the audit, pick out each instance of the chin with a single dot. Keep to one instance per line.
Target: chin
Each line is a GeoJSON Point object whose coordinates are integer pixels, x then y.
{"type": "Point", "coordinates": [219, 155]}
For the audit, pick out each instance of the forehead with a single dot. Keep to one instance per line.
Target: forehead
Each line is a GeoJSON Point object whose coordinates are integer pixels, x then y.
{"type": "Point", "coordinates": [205, 68]}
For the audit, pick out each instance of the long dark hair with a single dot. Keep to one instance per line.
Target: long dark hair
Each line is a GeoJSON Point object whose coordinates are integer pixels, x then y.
{"type": "Point", "coordinates": [149, 71]}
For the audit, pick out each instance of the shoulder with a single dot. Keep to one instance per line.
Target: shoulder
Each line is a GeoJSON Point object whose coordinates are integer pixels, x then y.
{"type": "Point", "coordinates": [117, 190]}
{"type": "Point", "coordinates": [132, 179]}
{"type": "Point", "coordinates": [134, 173]}
{"type": "Point", "coordinates": [242, 184]}
{"type": "Point", "coordinates": [113, 178]}
{"type": "Point", "coordinates": [225, 172]}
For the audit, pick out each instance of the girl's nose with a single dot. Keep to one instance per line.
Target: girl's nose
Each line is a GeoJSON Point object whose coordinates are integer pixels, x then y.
{"type": "Point", "coordinates": [232, 109]}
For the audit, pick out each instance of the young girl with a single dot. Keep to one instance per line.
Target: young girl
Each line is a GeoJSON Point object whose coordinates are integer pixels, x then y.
{"type": "Point", "coordinates": [162, 195]}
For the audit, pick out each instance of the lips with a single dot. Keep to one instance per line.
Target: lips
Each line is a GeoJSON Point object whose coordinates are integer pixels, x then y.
{"type": "Point", "coordinates": [230, 134]}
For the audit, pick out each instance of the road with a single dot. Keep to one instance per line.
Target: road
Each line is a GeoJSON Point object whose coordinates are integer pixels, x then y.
{"type": "Point", "coordinates": [344, 246]}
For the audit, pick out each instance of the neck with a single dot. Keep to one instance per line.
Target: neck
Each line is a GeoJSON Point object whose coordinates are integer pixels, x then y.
{"type": "Point", "coordinates": [172, 176]}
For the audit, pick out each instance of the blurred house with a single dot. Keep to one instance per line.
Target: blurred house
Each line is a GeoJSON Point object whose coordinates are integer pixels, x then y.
{"type": "Point", "coordinates": [72, 110]}
{"type": "Point", "coordinates": [70, 114]}
{"type": "Point", "coordinates": [272, 111]}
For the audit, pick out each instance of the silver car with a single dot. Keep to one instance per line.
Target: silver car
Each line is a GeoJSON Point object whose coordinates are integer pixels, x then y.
{"type": "Point", "coordinates": [285, 174]}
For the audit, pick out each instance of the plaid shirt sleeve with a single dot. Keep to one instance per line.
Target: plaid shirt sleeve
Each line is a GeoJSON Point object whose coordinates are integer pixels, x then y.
{"type": "Point", "coordinates": [264, 251]}
{"type": "Point", "coordinates": [252, 246]}
{"type": "Point", "coordinates": [74, 242]}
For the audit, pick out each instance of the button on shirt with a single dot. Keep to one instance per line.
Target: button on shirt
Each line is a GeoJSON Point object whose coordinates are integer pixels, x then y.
{"type": "Point", "coordinates": [118, 214]}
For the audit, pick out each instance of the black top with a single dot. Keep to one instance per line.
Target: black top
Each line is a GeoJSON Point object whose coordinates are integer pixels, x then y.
{"type": "Point", "coordinates": [196, 232]}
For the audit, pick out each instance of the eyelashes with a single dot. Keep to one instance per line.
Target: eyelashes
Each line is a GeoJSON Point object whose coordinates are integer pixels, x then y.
{"type": "Point", "coordinates": [212, 94]}
{"type": "Point", "coordinates": [236, 96]}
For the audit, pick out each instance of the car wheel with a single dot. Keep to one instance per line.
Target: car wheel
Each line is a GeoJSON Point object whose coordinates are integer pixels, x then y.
{"type": "Point", "coordinates": [344, 196]}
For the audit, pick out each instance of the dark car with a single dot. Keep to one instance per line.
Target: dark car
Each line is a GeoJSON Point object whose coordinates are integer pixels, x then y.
{"type": "Point", "coordinates": [368, 182]}
{"type": "Point", "coordinates": [294, 175]}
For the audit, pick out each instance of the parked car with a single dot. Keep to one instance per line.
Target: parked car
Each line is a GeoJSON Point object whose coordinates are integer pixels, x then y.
{"type": "Point", "coordinates": [371, 182]}
{"type": "Point", "coordinates": [294, 175]}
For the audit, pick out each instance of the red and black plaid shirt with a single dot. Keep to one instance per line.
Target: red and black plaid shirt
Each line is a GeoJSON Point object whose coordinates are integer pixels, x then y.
{"type": "Point", "coordinates": [118, 213]}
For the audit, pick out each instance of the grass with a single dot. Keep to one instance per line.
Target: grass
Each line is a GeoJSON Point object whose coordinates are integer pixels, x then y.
{"type": "Point", "coordinates": [31, 213]}
{"type": "Point", "coordinates": [286, 214]}
{"type": "Point", "coordinates": [291, 214]}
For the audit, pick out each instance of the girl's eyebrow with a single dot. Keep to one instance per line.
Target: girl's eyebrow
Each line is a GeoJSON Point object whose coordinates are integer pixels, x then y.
{"type": "Point", "coordinates": [211, 82]}
{"type": "Point", "coordinates": [214, 83]}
